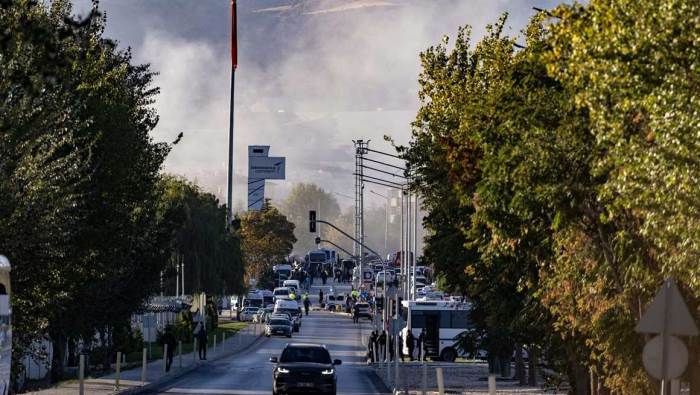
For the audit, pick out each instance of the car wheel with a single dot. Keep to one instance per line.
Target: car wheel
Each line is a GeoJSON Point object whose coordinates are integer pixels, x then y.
{"type": "Point", "coordinates": [448, 354]}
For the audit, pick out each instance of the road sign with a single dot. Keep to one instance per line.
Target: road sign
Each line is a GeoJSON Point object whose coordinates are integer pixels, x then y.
{"type": "Point", "coordinates": [261, 167]}
{"type": "Point", "coordinates": [652, 358]}
{"type": "Point", "coordinates": [665, 357]}
{"type": "Point", "coordinates": [268, 168]}
{"type": "Point", "coordinates": [668, 313]}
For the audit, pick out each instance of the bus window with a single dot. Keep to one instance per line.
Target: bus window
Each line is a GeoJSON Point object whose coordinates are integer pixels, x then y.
{"type": "Point", "coordinates": [445, 319]}
{"type": "Point", "coordinates": [460, 319]}
{"type": "Point", "coordinates": [417, 319]}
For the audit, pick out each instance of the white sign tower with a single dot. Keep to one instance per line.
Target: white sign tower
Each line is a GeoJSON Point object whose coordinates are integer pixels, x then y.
{"type": "Point", "coordinates": [262, 167]}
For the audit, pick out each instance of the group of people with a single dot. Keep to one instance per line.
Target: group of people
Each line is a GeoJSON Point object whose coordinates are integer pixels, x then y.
{"type": "Point", "coordinates": [378, 342]}
{"type": "Point", "coordinates": [168, 339]}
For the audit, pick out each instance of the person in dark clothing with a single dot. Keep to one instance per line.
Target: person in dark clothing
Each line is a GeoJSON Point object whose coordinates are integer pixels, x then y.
{"type": "Point", "coordinates": [372, 346]}
{"type": "Point", "coordinates": [355, 314]}
{"type": "Point", "coordinates": [400, 340]}
{"type": "Point", "coordinates": [202, 341]}
{"type": "Point", "coordinates": [421, 344]}
{"type": "Point", "coordinates": [307, 303]}
{"type": "Point", "coordinates": [410, 344]}
{"type": "Point", "coordinates": [392, 352]}
{"type": "Point", "coordinates": [382, 345]}
{"type": "Point", "coordinates": [324, 277]}
{"type": "Point", "coordinates": [168, 339]}
{"type": "Point", "coordinates": [320, 297]}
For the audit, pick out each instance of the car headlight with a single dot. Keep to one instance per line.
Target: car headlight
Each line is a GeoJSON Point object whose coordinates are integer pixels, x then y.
{"type": "Point", "coordinates": [329, 371]}
{"type": "Point", "coordinates": [282, 370]}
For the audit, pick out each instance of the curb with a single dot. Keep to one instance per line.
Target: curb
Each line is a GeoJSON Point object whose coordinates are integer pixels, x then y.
{"type": "Point", "coordinates": [182, 372]}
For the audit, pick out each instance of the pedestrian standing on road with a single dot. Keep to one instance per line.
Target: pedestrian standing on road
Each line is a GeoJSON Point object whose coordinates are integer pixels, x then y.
{"type": "Point", "coordinates": [202, 341]}
{"type": "Point", "coordinates": [421, 344]}
{"type": "Point", "coordinates": [410, 344]}
{"type": "Point", "coordinates": [320, 298]}
{"type": "Point", "coordinates": [324, 277]}
{"type": "Point", "coordinates": [372, 346]}
{"type": "Point", "coordinates": [400, 340]}
{"type": "Point", "coordinates": [382, 345]}
{"type": "Point", "coordinates": [392, 352]}
{"type": "Point", "coordinates": [168, 339]}
{"type": "Point", "coordinates": [307, 303]}
{"type": "Point", "coordinates": [356, 314]}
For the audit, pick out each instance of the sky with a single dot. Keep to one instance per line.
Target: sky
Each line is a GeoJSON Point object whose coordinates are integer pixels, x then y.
{"type": "Point", "coordinates": [312, 76]}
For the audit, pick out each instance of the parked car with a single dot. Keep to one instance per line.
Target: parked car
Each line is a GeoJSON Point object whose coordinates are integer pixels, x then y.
{"type": "Point", "coordinates": [278, 326]}
{"type": "Point", "coordinates": [262, 315]}
{"type": "Point", "coordinates": [249, 313]}
{"type": "Point", "coordinates": [281, 293]}
{"type": "Point", "coordinates": [304, 368]}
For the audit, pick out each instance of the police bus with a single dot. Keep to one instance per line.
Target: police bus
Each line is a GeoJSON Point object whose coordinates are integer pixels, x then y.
{"type": "Point", "coordinates": [443, 321]}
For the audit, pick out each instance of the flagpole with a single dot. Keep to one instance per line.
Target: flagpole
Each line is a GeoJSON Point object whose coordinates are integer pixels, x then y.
{"type": "Point", "coordinates": [234, 64]}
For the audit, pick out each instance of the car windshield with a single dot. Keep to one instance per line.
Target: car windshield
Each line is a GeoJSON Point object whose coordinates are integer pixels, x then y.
{"type": "Point", "coordinates": [305, 354]}
{"type": "Point", "coordinates": [279, 322]}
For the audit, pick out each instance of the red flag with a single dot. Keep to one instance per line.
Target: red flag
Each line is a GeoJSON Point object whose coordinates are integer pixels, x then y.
{"type": "Point", "coordinates": [234, 36]}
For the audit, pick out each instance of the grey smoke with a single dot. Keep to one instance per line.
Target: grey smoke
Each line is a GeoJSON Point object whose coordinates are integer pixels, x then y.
{"type": "Point", "coordinates": [312, 76]}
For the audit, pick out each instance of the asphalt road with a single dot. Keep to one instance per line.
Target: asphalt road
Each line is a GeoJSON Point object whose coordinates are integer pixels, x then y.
{"type": "Point", "coordinates": [251, 372]}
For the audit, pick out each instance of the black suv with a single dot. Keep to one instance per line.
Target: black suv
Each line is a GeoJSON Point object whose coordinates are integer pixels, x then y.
{"type": "Point", "coordinates": [304, 368]}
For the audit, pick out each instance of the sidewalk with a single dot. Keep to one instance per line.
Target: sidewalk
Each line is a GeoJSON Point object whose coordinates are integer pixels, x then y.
{"type": "Point", "coordinates": [130, 380]}
{"type": "Point", "coordinates": [459, 378]}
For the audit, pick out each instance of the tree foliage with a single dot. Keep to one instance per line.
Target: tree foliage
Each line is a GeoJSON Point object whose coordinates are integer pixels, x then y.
{"type": "Point", "coordinates": [84, 218]}
{"type": "Point", "coordinates": [212, 255]}
{"type": "Point", "coordinates": [268, 239]}
{"type": "Point", "coordinates": [303, 198]}
{"type": "Point", "coordinates": [557, 179]}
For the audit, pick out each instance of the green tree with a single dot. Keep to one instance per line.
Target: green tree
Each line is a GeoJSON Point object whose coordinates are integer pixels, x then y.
{"type": "Point", "coordinates": [268, 239]}
{"type": "Point", "coordinates": [212, 255]}
{"type": "Point", "coordinates": [303, 198]}
{"type": "Point", "coordinates": [634, 71]}
{"type": "Point", "coordinates": [80, 171]}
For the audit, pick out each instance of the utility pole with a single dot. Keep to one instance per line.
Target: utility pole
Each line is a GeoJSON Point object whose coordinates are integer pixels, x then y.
{"type": "Point", "coordinates": [360, 152]}
{"type": "Point", "coordinates": [234, 64]}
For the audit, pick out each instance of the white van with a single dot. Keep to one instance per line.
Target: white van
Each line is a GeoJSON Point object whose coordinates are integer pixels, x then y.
{"type": "Point", "coordinates": [292, 284]}
{"type": "Point", "coordinates": [281, 293]}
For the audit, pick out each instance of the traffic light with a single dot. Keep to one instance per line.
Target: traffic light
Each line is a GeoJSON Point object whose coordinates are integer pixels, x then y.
{"type": "Point", "coordinates": [318, 240]}
{"type": "Point", "coordinates": [312, 221]}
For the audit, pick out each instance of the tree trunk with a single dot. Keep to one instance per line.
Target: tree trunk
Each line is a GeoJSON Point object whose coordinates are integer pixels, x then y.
{"type": "Point", "coordinates": [58, 341]}
{"type": "Point", "coordinates": [505, 366]}
{"type": "Point", "coordinates": [519, 365]}
{"type": "Point", "coordinates": [72, 358]}
{"type": "Point", "coordinates": [532, 367]}
{"type": "Point", "coordinates": [580, 378]}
